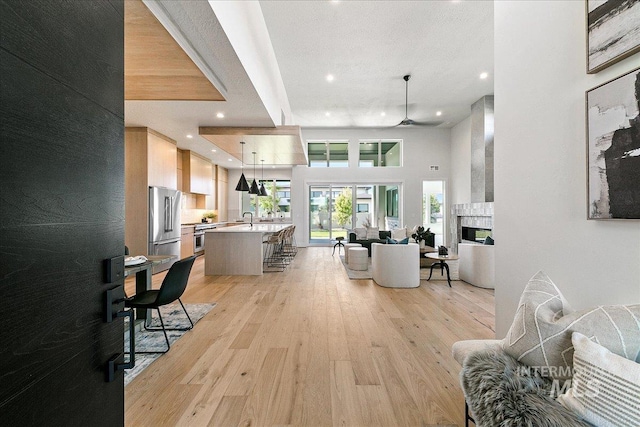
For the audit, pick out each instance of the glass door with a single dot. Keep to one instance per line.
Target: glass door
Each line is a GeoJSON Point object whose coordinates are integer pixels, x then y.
{"type": "Point", "coordinates": [330, 212]}
{"type": "Point", "coordinates": [433, 209]}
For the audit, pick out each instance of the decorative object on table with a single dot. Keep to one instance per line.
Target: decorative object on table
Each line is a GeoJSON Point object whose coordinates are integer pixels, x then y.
{"type": "Point", "coordinates": [443, 251]}
{"type": "Point", "coordinates": [613, 148]}
{"type": "Point", "coordinates": [613, 32]}
{"type": "Point", "coordinates": [173, 317]}
{"type": "Point", "coordinates": [134, 260]}
{"type": "Point", "coordinates": [420, 235]}
{"type": "Point", "coordinates": [243, 185]}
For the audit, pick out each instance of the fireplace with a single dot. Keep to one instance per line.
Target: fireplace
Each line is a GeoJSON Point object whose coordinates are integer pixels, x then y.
{"type": "Point", "coordinates": [473, 234]}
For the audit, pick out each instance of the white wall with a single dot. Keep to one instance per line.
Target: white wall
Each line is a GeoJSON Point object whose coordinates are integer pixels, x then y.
{"type": "Point", "coordinates": [461, 163]}
{"type": "Point", "coordinates": [540, 164]}
{"type": "Point", "coordinates": [422, 147]}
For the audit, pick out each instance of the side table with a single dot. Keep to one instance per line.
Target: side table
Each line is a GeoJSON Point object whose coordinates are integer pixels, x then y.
{"type": "Point", "coordinates": [442, 263]}
{"type": "Point", "coordinates": [338, 245]}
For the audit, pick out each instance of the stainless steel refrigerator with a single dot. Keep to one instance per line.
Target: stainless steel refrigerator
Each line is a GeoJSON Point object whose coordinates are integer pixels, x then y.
{"type": "Point", "coordinates": [164, 224]}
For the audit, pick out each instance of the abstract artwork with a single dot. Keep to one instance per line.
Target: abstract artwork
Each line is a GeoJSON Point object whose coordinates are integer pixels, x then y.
{"type": "Point", "coordinates": [613, 148]}
{"type": "Point", "coordinates": [613, 32]}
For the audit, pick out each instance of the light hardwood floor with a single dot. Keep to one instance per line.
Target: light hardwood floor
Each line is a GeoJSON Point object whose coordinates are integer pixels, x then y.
{"type": "Point", "coordinates": [309, 347]}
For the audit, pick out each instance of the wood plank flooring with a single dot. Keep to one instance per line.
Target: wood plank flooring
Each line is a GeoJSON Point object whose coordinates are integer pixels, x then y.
{"type": "Point", "coordinates": [309, 347]}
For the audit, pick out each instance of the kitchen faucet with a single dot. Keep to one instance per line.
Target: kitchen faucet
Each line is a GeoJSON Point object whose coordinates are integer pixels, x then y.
{"type": "Point", "coordinates": [250, 218]}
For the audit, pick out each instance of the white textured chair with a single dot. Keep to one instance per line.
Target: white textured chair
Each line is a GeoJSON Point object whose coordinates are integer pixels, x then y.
{"type": "Point", "coordinates": [396, 266]}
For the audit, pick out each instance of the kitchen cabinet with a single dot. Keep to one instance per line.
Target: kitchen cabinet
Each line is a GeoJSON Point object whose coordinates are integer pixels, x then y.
{"type": "Point", "coordinates": [197, 173]}
{"type": "Point", "coordinates": [186, 241]}
{"type": "Point", "coordinates": [179, 169]}
{"type": "Point", "coordinates": [222, 180]}
{"type": "Point", "coordinates": [211, 201]}
{"type": "Point", "coordinates": [150, 160]}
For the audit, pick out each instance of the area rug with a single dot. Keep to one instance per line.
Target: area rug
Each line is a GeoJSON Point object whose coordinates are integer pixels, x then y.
{"type": "Point", "coordinates": [173, 317]}
{"type": "Point", "coordinates": [366, 274]}
{"type": "Point", "coordinates": [357, 274]}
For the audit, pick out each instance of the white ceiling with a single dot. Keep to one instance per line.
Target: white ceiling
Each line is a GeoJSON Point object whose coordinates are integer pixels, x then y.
{"type": "Point", "coordinates": [367, 45]}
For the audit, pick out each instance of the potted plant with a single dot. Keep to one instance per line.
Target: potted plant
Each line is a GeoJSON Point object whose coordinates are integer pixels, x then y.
{"type": "Point", "coordinates": [210, 216]}
{"type": "Point", "coordinates": [420, 235]}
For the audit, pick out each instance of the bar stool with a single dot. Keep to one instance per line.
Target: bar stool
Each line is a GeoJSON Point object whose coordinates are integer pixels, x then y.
{"type": "Point", "coordinates": [358, 259]}
{"type": "Point", "coordinates": [338, 245]}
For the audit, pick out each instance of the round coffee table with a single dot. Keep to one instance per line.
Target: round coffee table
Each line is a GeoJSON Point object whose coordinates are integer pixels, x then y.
{"type": "Point", "coordinates": [442, 263]}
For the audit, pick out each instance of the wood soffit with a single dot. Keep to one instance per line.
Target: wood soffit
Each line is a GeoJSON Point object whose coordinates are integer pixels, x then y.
{"type": "Point", "coordinates": [280, 145]}
{"type": "Point", "coordinates": [155, 66]}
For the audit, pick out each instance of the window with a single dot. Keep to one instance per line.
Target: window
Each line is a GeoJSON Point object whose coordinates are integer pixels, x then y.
{"type": "Point", "coordinates": [277, 203]}
{"type": "Point", "coordinates": [383, 153]}
{"type": "Point", "coordinates": [323, 154]}
{"type": "Point", "coordinates": [362, 207]}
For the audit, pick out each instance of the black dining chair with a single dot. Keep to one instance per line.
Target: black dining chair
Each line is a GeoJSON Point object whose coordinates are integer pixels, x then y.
{"type": "Point", "coordinates": [172, 288]}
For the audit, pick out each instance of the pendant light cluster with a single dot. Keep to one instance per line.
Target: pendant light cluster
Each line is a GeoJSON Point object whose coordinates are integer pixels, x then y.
{"type": "Point", "coordinates": [243, 185]}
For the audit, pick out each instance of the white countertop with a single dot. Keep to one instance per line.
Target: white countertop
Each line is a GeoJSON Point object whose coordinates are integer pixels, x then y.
{"type": "Point", "coordinates": [246, 228]}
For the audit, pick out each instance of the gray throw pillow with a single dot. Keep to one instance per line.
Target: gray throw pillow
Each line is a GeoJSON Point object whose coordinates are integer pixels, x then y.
{"type": "Point", "coordinates": [540, 335]}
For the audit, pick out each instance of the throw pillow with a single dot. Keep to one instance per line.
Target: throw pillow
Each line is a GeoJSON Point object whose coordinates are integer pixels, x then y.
{"type": "Point", "coordinates": [540, 335]}
{"type": "Point", "coordinates": [488, 240]}
{"type": "Point", "coordinates": [361, 233]}
{"type": "Point", "coordinates": [373, 233]}
{"type": "Point", "coordinates": [399, 233]}
{"type": "Point", "coordinates": [605, 389]}
{"type": "Point", "coordinates": [391, 241]}
{"type": "Point", "coordinates": [404, 241]}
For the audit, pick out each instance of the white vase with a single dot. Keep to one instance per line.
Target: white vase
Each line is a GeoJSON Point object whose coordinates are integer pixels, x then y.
{"type": "Point", "coordinates": [422, 244]}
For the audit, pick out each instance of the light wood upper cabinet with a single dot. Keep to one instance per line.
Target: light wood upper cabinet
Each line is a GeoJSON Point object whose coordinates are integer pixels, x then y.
{"type": "Point", "coordinates": [222, 181]}
{"type": "Point", "coordinates": [163, 160]}
{"type": "Point", "coordinates": [197, 174]}
{"type": "Point", "coordinates": [179, 169]}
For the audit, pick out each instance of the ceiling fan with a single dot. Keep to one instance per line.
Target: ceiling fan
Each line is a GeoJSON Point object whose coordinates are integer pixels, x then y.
{"type": "Point", "coordinates": [407, 121]}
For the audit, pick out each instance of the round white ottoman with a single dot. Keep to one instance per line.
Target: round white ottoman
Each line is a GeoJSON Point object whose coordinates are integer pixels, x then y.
{"type": "Point", "coordinates": [358, 258]}
{"type": "Point", "coordinates": [346, 250]}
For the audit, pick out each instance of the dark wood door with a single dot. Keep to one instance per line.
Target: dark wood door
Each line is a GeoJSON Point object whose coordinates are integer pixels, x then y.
{"type": "Point", "coordinates": [62, 209]}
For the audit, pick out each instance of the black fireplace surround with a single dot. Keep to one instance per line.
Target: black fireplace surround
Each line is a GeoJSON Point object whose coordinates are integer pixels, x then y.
{"type": "Point", "coordinates": [475, 234]}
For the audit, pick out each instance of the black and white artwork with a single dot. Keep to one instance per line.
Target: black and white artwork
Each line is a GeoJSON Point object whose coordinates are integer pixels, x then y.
{"type": "Point", "coordinates": [613, 141]}
{"type": "Point", "coordinates": [613, 32]}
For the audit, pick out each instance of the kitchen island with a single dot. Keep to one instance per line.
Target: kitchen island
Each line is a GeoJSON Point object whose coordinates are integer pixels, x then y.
{"type": "Point", "coordinates": [236, 250]}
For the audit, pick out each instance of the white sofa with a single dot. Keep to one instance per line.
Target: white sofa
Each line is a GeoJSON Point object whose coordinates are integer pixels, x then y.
{"type": "Point", "coordinates": [396, 266]}
{"type": "Point", "coordinates": [477, 264]}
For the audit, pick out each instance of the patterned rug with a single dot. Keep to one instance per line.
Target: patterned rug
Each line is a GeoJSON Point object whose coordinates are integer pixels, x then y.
{"type": "Point", "coordinates": [173, 317]}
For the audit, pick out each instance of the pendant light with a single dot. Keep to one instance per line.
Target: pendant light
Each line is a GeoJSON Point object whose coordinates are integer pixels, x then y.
{"type": "Point", "coordinates": [243, 185]}
{"type": "Point", "coordinates": [254, 185]}
{"type": "Point", "coordinates": [263, 192]}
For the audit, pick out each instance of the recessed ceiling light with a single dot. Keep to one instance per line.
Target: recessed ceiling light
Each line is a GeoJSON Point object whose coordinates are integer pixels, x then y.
{"type": "Point", "coordinates": [220, 115]}
{"type": "Point", "coordinates": [189, 136]}
{"type": "Point", "coordinates": [438, 113]}
{"type": "Point", "coordinates": [231, 160]}
{"type": "Point", "coordinates": [215, 151]}
{"type": "Point", "coordinates": [484, 76]}
{"type": "Point", "coordinates": [273, 167]}
{"type": "Point", "coordinates": [327, 114]}
{"type": "Point", "coordinates": [383, 114]}
{"type": "Point", "coordinates": [330, 77]}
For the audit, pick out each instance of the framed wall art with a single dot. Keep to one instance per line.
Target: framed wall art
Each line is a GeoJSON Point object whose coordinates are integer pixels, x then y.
{"type": "Point", "coordinates": [613, 148]}
{"type": "Point", "coordinates": [613, 32]}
